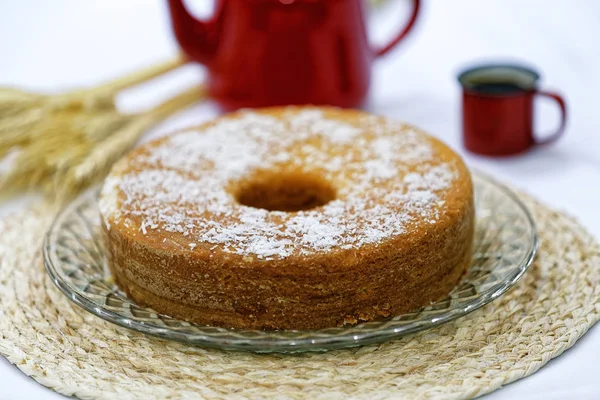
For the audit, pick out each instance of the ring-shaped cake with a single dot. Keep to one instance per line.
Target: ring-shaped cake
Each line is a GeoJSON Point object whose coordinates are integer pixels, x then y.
{"type": "Point", "coordinates": [289, 218]}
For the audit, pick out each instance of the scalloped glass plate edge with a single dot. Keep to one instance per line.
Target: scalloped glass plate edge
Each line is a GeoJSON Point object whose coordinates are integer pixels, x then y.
{"type": "Point", "coordinates": [490, 196]}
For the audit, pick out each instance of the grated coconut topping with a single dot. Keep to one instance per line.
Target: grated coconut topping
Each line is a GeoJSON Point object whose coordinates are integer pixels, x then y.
{"type": "Point", "coordinates": [386, 175]}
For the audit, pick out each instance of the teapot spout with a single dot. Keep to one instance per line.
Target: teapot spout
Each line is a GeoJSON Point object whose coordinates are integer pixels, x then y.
{"type": "Point", "coordinates": [196, 38]}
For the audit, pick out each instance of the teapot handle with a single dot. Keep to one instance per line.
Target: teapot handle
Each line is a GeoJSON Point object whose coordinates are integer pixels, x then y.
{"type": "Point", "coordinates": [407, 28]}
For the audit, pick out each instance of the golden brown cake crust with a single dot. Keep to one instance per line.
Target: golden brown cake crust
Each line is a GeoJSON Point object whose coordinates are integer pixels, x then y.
{"type": "Point", "coordinates": [386, 228]}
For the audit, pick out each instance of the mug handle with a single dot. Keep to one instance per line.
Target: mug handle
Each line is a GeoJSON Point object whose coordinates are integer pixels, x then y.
{"type": "Point", "coordinates": [407, 28]}
{"type": "Point", "coordinates": [563, 117]}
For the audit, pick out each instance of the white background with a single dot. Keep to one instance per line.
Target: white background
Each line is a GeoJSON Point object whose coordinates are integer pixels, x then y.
{"type": "Point", "coordinates": [53, 45]}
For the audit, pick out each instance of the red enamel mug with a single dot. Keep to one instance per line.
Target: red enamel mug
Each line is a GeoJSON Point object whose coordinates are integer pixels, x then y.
{"type": "Point", "coordinates": [498, 109]}
{"type": "Point", "coordinates": [276, 52]}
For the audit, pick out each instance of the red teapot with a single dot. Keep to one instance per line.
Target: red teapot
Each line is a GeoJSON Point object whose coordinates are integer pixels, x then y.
{"type": "Point", "coordinates": [275, 52]}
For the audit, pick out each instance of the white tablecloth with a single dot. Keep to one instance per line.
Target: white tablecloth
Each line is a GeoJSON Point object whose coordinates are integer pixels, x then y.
{"type": "Point", "coordinates": [67, 43]}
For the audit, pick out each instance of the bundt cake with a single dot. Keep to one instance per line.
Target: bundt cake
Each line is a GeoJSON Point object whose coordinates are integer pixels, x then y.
{"type": "Point", "coordinates": [289, 218]}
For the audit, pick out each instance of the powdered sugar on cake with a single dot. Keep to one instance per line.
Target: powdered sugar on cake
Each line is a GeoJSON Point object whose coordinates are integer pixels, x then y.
{"type": "Point", "coordinates": [386, 175]}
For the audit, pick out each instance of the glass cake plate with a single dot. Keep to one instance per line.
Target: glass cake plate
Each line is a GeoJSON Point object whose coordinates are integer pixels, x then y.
{"type": "Point", "coordinates": [505, 246]}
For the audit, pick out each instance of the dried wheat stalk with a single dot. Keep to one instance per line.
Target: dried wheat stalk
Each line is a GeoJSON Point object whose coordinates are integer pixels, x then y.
{"type": "Point", "coordinates": [66, 142]}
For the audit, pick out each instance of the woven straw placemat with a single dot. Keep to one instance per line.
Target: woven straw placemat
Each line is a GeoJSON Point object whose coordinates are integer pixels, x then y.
{"type": "Point", "coordinates": [75, 353]}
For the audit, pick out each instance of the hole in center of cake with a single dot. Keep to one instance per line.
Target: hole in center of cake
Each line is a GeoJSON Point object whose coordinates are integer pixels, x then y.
{"type": "Point", "coordinates": [285, 191]}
